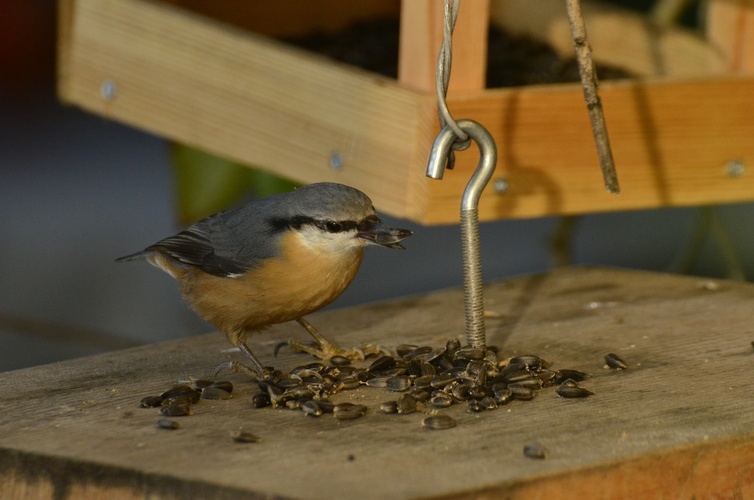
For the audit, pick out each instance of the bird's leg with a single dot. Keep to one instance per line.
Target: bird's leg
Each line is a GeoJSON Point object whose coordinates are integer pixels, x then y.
{"type": "Point", "coordinates": [256, 371]}
{"type": "Point", "coordinates": [254, 361]}
{"type": "Point", "coordinates": [326, 349]}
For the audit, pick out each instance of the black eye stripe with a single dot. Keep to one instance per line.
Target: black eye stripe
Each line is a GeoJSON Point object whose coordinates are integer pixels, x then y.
{"type": "Point", "coordinates": [332, 226]}
{"type": "Point", "coordinates": [327, 225]}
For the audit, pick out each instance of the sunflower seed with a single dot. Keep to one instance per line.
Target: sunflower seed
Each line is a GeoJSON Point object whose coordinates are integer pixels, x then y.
{"type": "Point", "coordinates": [212, 392]}
{"type": "Point", "coordinates": [382, 363]}
{"type": "Point", "coordinates": [530, 361]}
{"type": "Point", "coordinates": [502, 396]}
{"type": "Point", "coordinates": [438, 422]}
{"type": "Point", "coordinates": [242, 436]}
{"type": "Point", "coordinates": [419, 351]}
{"type": "Point", "coordinates": [423, 382]}
{"type": "Point", "coordinates": [562, 375]}
{"type": "Point", "coordinates": [402, 349]}
{"type": "Point", "coordinates": [475, 406]}
{"type": "Point", "coordinates": [311, 408]}
{"type": "Point", "coordinates": [164, 423]}
{"type": "Point", "coordinates": [442, 380]}
{"type": "Point", "coordinates": [469, 353]}
{"type": "Point", "coordinates": [441, 399]}
{"type": "Point", "coordinates": [614, 361]}
{"type": "Point", "coordinates": [389, 407]}
{"type": "Point", "coordinates": [452, 346]}
{"type": "Point", "coordinates": [151, 401]}
{"type": "Point", "coordinates": [406, 404]}
{"type": "Point", "coordinates": [535, 450]}
{"type": "Point", "coordinates": [181, 390]}
{"type": "Point", "coordinates": [176, 410]}
{"type": "Point", "coordinates": [348, 411]}
{"type": "Point", "coordinates": [340, 361]}
{"type": "Point", "coordinates": [488, 403]}
{"type": "Point", "coordinates": [201, 384]}
{"type": "Point", "coordinates": [260, 400]}
{"type": "Point", "coordinates": [379, 382]}
{"type": "Point", "coordinates": [521, 393]}
{"type": "Point", "coordinates": [570, 392]}
{"type": "Point", "coordinates": [398, 384]}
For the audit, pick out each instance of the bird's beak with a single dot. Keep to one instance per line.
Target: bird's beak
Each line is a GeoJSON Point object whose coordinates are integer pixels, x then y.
{"type": "Point", "coordinates": [378, 233]}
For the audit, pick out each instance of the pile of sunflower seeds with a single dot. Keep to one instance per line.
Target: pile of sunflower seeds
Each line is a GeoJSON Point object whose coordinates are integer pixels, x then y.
{"type": "Point", "coordinates": [425, 378]}
{"type": "Point", "coordinates": [422, 377]}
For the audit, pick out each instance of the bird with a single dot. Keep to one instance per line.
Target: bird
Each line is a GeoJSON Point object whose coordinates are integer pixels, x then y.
{"type": "Point", "coordinates": [273, 260]}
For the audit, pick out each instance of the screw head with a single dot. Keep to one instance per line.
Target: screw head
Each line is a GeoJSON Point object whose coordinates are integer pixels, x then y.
{"type": "Point", "coordinates": [336, 160]}
{"type": "Point", "coordinates": [108, 90]}
{"type": "Point", "coordinates": [735, 168]}
{"type": "Point", "coordinates": [500, 185]}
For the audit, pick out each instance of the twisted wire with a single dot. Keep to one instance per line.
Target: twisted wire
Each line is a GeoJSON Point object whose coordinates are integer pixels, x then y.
{"type": "Point", "coordinates": [442, 79]}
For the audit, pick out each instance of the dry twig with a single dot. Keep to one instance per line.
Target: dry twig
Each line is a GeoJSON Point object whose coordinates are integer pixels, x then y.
{"type": "Point", "coordinates": [593, 103]}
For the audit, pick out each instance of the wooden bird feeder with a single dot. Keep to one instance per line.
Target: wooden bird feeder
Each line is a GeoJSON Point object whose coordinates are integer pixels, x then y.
{"type": "Point", "coordinates": [208, 74]}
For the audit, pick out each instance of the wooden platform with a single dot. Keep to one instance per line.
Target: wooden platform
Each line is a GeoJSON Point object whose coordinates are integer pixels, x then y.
{"type": "Point", "coordinates": [679, 422]}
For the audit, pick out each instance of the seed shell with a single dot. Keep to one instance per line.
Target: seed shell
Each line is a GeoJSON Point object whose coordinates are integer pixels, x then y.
{"type": "Point", "coordinates": [260, 400]}
{"type": "Point", "coordinates": [438, 422]}
{"type": "Point", "coordinates": [176, 410]}
{"type": "Point", "coordinates": [212, 392]}
{"type": "Point", "coordinates": [614, 361]}
{"type": "Point", "coordinates": [389, 407]}
{"type": "Point", "coordinates": [242, 436]}
{"type": "Point", "coordinates": [151, 402]}
{"type": "Point", "coordinates": [164, 423]}
{"type": "Point", "coordinates": [535, 450]}
{"type": "Point", "coordinates": [311, 408]}
{"type": "Point", "coordinates": [348, 411]}
{"type": "Point", "coordinates": [398, 384]}
{"type": "Point", "coordinates": [406, 404]}
{"type": "Point", "coordinates": [340, 361]}
{"type": "Point", "coordinates": [564, 374]}
{"type": "Point", "coordinates": [571, 392]}
{"type": "Point", "coordinates": [225, 385]}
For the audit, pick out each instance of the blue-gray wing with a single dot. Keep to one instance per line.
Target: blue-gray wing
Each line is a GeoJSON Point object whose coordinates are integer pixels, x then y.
{"type": "Point", "coordinates": [225, 244]}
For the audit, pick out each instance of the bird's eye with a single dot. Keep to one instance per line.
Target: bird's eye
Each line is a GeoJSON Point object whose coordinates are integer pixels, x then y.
{"type": "Point", "coordinates": [332, 227]}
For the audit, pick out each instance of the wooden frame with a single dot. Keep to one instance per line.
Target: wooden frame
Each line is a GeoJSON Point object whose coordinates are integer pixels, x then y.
{"type": "Point", "coordinates": [676, 134]}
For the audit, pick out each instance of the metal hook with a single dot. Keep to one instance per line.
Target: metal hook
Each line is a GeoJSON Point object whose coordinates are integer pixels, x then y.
{"type": "Point", "coordinates": [472, 266]}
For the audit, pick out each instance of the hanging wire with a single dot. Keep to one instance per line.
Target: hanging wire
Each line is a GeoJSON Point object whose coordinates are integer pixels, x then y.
{"type": "Point", "coordinates": [442, 79]}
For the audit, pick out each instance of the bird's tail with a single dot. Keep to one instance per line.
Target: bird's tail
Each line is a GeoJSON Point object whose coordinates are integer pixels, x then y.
{"type": "Point", "coordinates": [134, 256]}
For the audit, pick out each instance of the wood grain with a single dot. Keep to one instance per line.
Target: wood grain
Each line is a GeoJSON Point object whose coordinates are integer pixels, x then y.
{"type": "Point", "coordinates": [677, 423]}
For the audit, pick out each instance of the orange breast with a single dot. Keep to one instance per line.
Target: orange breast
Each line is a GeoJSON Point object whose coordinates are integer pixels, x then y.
{"type": "Point", "coordinates": [279, 290]}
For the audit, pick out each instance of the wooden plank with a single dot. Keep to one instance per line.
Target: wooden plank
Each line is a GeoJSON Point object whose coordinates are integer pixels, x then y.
{"type": "Point", "coordinates": [618, 36]}
{"type": "Point", "coordinates": [672, 143]}
{"type": "Point", "coordinates": [730, 29]}
{"type": "Point", "coordinates": [422, 24]}
{"type": "Point", "coordinates": [677, 423]}
{"type": "Point", "coordinates": [244, 97]}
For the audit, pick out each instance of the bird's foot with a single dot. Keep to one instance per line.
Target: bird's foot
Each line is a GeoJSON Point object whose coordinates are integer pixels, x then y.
{"type": "Point", "coordinates": [236, 367]}
{"type": "Point", "coordinates": [326, 350]}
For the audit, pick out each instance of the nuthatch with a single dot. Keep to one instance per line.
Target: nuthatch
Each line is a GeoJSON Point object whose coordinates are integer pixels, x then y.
{"type": "Point", "coordinates": [273, 260]}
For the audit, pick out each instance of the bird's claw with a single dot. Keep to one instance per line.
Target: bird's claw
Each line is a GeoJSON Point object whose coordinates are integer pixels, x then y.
{"type": "Point", "coordinates": [326, 350]}
{"type": "Point", "coordinates": [236, 367]}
